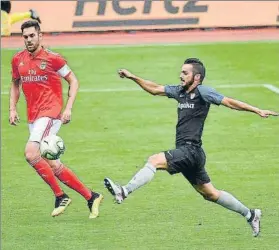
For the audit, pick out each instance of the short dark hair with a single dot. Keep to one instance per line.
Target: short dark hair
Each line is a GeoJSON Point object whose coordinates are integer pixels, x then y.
{"type": "Point", "coordinates": [198, 67]}
{"type": "Point", "coordinates": [6, 6]}
{"type": "Point", "coordinates": [31, 23]}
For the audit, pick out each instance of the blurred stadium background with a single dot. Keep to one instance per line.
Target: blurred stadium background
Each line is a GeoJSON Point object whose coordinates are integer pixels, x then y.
{"type": "Point", "coordinates": [116, 126]}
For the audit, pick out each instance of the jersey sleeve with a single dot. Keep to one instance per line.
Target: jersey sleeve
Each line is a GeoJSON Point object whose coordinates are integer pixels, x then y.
{"type": "Point", "coordinates": [15, 73]}
{"type": "Point", "coordinates": [172, 91]}
{"type": "Point", "coordinates": [60, 66]}
{"type": "Point", "coordinates": [210, 95]}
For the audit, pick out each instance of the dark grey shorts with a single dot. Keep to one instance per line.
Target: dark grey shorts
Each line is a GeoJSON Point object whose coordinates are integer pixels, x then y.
{"type": "Point", "coordinates": [190, 161]}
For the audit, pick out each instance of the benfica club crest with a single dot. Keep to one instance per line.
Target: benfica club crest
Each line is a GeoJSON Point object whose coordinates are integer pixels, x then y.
{"type": "Point", "coordinates": [192, 96]}
{"type": "Point", "coordinates": [43, 65]}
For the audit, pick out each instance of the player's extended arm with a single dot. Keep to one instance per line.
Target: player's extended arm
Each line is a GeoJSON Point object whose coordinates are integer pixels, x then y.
{"type": "Point", "coordinates": [242, 106]}
{"type": "Point", "coordinates": [14, 97]}
{"type": "Point", "coordinates": [149, 86]}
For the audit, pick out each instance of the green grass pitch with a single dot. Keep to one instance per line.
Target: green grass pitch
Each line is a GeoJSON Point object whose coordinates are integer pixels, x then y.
{"type": "Point", "coordinates": [111, 135]}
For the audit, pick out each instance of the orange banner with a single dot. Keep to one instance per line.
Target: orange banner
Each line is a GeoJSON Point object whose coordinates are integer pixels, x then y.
{"type": "Point", "coordinates": [105, 15]}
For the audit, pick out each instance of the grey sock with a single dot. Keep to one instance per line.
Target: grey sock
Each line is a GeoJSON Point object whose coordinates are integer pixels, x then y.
{"type": "Point", "coordinates": [230, 202]}
{"type": "Point", "coordinates": [141, 178]}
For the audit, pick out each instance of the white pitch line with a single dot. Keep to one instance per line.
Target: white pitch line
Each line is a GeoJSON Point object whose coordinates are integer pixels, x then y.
{"type": "Point", "coordinates": [236, 86]}
{"type": "Point", "coordinates": [109, 90]}
{"type": "Point", "coordinates": [170, 44]}
{"type": "Point", "coordinates": [226, 86]}
{"type": "Point", "coordinates": [272, 88]}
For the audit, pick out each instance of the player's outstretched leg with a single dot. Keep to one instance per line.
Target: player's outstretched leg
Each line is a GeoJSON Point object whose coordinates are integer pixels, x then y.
{"type": "Point", "coordinates": [228, 201]}
{"type": "Point", "coordinates": [19, 16]}
{"type": "Point", "coordinates": [142, 177]}
{"type": "Point", "coordinates": [116, 190]}
{"type": "Point", "coordinates": [255, 221]}
{"type": "Point", "coordinates": [253, 216]}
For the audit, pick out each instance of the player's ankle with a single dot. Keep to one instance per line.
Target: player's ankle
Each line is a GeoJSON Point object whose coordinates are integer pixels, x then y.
{"type": "Point", "coordinates": [248, 216]}
{"type": "Point", "coordinates": [125, 191]}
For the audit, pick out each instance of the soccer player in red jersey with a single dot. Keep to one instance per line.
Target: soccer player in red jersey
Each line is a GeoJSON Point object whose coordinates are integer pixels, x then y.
{"type": "Point", "coordinates": [39, 71]}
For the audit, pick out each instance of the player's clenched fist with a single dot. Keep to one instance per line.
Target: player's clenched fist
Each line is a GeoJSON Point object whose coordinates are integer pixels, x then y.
{"type": "Point", "coordinates": [66, 116]}
{"type": "Point", "coordinates": [124, 73]}
{"type": "Point", "coordinates": [14, 118]}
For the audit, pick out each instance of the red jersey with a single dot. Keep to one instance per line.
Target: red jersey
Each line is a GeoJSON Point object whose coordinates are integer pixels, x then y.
{"type": "Point", "coordinates": [40, 76]}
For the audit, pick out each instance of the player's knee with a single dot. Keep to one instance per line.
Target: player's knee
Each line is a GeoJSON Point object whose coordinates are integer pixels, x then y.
{"type": "Point", "coordinates": [54, 164]}
{"type": "Point", "coordinates": [57, 168]}
{"type": "Point", "coordinates": [31, 155]}
{"type": "Point", "coordinates": [154, 160]}
{"type": "Point", "coordinates": [211, 196]}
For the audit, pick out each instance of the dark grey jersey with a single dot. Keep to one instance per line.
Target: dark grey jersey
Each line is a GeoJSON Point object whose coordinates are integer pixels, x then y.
{"type": "Point", "coordinates": [192, 111]}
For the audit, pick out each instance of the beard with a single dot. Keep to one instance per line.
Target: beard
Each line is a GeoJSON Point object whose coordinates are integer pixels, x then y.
{"type": "Point", "coordinates": [188, 84]}
{"type": "Point", "coordinates": [33, 48]}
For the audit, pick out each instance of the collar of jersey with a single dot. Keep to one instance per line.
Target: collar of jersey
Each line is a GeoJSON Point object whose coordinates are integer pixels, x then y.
{"type": "Point", "coordinates": [38, 53]}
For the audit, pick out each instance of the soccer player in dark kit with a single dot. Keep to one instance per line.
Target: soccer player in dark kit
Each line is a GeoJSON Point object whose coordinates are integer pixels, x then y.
{"type": "Point", "coordinates": [188, 157]}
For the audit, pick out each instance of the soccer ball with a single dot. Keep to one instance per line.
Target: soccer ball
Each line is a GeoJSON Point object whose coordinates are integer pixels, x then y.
{"type": "Point", "coordinates": [51, 147]}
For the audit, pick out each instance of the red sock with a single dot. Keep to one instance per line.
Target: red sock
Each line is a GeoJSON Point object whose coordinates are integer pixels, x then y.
{"type": "Point", "coordinates": [45, 171]}
{"type": "Point", "coordinates": [65, 175]}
